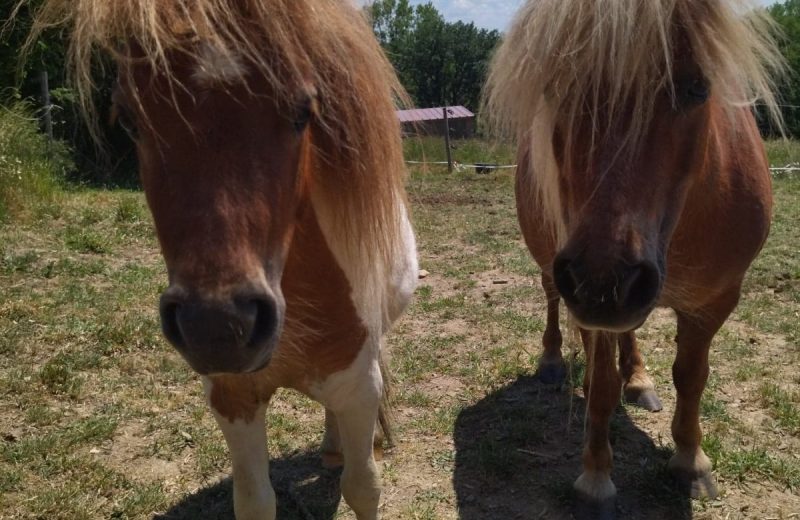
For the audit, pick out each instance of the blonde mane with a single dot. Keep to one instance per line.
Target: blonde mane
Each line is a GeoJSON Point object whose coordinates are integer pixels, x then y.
{"type": "Point", "coordinates": [567, 60]}
{"type": "Point", "coordinates": [292, 43]}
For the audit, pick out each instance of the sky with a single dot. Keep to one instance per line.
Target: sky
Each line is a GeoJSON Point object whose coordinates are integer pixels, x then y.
{"type": "Point", "coordinates": [490, 14]}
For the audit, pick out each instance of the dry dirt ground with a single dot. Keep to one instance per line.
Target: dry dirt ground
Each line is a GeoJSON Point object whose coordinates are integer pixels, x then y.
{"type": "Point", "coordinates": [99, 418]}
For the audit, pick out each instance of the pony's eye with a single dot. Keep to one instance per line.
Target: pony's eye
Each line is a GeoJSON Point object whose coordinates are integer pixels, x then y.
{"type": "Point", "coordinates": [302, 116]}
{"type": "Point", "coordinates": [124, 119]}
{"type": "Point", "coordinates": [304, 110]}
{"type": "Point", "coordinates": [693, 92]}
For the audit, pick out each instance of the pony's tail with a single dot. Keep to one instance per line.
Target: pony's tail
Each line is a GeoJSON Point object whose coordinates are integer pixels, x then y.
{"type": "Point", "coordinates": [385, 408]}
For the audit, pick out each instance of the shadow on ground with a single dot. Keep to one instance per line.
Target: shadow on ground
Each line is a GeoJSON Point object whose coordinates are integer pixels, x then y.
{"type": "Point", "coordinates": [519, 449]}
{"type": "Point", "coordinates": [304, 489]}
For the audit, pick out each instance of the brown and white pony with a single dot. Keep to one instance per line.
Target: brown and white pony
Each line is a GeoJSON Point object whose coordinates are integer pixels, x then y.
{"type": "Point", "coordinates": [643, 182]}
{"type": "Point", "coordinates": [271, 159]}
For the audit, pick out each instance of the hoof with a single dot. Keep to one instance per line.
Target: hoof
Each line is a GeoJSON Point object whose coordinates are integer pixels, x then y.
{"type": "Point", "coordinates": [595, 497]}
{"type": "Point", "coordinates": [332, 460]}
{"type": "Point", "coordinates": [647, 399]}
{"type": "Point", "coordinates": [695, 485]}
{"type": "Point", "coordinates": [692, 471]}
{"type": "Point", "coordinates": [587, 508]}
{"type": "Point", "coordinates": [552, 373]}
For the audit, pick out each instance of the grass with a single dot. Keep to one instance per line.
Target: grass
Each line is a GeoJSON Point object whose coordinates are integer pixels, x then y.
{"type": "Point", "coordinates": [783, 405]}
{"type": "Point", "coordinates": [783, 152]}
{"type": "Point", "coordinates": [100, 418]}
{"type": "Point", "coordinates": [30, 167]}
{"type": "Point", "coordinates": [748, 464]}
{"type": "Point", "coordinates": [774, 275]}
{"type": "Point", "coordinates": [464, 151]}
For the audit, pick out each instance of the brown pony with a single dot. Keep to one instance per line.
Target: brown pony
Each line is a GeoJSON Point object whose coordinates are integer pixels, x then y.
{"type": "Point", "coordinates": [642, 182]}
{"type": "Point", "coordinates": [271, 158]}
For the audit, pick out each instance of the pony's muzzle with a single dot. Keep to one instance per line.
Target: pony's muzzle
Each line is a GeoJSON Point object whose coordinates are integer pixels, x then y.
{"type": "Point", "coordinates": [231, 335]}
{"type": "Point", "coordinates": [616, 298]}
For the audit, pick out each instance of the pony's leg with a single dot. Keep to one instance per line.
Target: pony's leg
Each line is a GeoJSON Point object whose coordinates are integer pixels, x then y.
{"type": "Point", "coordinates": [639, 388]}
{"type": "Point", "coordinates": [690, 465]}
{"type": "Point", "coordinates": [361, 486]}
{"type": "Point", "coordinates": [357, 417]}
{"type": "Point", "coordinates": [331, 442]}
{"type": "Point", "coordinates": [253, 496]}
{"type": "Point", "coordinates": [602, 388]}
{"type": "Point", "coordinates": [552, 369]}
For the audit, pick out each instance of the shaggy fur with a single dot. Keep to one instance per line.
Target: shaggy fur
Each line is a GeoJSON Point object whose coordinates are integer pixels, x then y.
{"type": "Point", "coordinates": [292, 43]}
{"type": "Point", "coordinates": [609, 60]}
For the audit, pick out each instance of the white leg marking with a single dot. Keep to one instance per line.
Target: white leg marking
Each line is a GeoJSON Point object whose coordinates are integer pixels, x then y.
{"type": "Point", "coordinates": [253, 496]}
{"type": "Point", "coordinates": [361, 486]}
{"type": "Point", "coordinates": [331, 442]}
{"type": "Point", "coordinates": [353, 396]}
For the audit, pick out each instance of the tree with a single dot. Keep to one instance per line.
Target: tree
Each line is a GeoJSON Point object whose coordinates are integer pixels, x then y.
{"type": "Point", "coordinates": [20, 79]}
{"type": "Point", "coordinates": [787, 14]}
{"type": "Point", "coordinates": [468, 65]}
{"type": "Point", "coordinates": [439, 63]}
{"type": "Point", "coordinates": [426, 57]}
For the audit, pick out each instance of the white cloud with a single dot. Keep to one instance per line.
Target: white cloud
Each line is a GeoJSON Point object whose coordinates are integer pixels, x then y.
{"type": "Point", "coordinates": [490, 14]}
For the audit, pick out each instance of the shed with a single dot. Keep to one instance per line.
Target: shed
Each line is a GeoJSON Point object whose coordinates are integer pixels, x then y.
{"type": "Point", "coordinates": [430, 121]}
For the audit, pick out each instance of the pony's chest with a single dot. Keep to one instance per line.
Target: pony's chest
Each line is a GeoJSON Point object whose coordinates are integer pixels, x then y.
{"type": "Point", "coordinates": [323, 333]}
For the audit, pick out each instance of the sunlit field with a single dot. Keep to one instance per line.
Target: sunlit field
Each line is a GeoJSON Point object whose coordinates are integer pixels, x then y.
{"type": "Point", "coordinates": [100, 418]}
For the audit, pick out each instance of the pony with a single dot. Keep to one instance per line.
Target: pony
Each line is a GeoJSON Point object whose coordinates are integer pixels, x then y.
{"type": "Point", "coordinates": [271, 159]}
{"type": "Point", "coordinates": [642, 182]}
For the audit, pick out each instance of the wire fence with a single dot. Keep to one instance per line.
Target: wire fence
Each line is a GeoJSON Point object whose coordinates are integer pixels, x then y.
{"type": "Point", "coordinates": [484, 167]}
{"type": "Point", "coordinates": [458, 165]}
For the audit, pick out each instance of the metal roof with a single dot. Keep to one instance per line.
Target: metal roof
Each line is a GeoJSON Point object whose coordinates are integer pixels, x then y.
{"type": "Point", "coordinates": [432, 114]}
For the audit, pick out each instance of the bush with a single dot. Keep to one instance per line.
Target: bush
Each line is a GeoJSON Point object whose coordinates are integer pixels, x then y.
{"type": "Point", "coordinates": [31, 169]}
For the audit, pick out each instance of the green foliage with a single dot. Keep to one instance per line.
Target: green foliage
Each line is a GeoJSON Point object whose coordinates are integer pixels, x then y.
{"type": "Point", "coordinates": [30, 167]}
{"type": "Point", "coordinates": [787, 14]}
{"type": "Point", "coordinates": [20, 79]}
{"type": "Point", "coordinates": [438, 62]}
{"type": "Point", "coordinates": [47, 54]}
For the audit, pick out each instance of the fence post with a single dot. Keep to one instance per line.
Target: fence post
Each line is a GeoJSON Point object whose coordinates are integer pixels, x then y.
{"type": "Point", "coordinates": [447, 140]}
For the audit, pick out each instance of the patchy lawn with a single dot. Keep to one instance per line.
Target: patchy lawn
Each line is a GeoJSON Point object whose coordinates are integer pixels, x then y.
{"type": "Point", "coordinates": [100, 418]}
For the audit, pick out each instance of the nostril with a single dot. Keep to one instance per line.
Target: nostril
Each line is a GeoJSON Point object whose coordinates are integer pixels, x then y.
{"type": "Point", "coordinates": [640, 285]}
{"type": "Point", "coordinates": [168, 310]}
{"type": "Point", "coordinates": [566, 279]}
{"type": "Point", "coordinates": [262, 318]}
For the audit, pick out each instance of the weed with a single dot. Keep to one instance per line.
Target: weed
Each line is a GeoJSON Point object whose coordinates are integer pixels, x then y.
{"type": "Point", "coordinates": [783, 406]}
{"type": "Point", "coordinates": [86, 240]}
{"type": "Point", "coordinates": [59, 376]}
{"type": "Point", "coordinates": [31, 169]}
